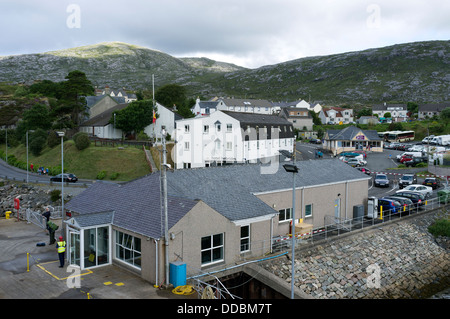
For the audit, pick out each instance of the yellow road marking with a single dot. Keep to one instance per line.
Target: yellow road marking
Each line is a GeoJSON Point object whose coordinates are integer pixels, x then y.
{"type": "Point", "coordinates": [87, 271]}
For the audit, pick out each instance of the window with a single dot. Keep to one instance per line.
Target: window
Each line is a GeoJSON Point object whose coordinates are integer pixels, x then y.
{"type": "Point", "coordinates": [229, 146]}
{"type": "Point", "coordinates": [186, 129]}
{"type": "Point", "coordinates": [212, 249]}
{"type": "Point", "coordinates": [285, 214]}
{"type": "Point", "coordinates": [186, 146]}
{"type": "Point", "coordinates": [245, 238]}
{"type": "Point", "coordinates": [229, 127]}
{"type": "Point", "coordinates": [218, 127]}
{"type": "Point", "coordinates": [206, 129]}
{"type": "Point", "coordinates": [128, 249]}
{"type": "Point", "coordinates": [308, 210]}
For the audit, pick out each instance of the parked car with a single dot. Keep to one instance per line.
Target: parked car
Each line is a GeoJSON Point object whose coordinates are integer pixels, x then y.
{"type": "Point", "coordinates": [417, 198]}
{"type": "Point", "coordinates": [390, 206]}
{"type": "Point", "coordinates": [407, 203]}
{"type": "Point", "coordinates": [406, 180]}
{"type": "Point", "coordinates": [432, 182]}
{"type": "Point", "coordinates": [425, 190]}
{"type": "Point", "coordinates": [415, 161]}
{"type": "Point", "coordinates": [365, 170]}
{"type": "Point", "coordinates": [315, 141]}
{"type": "Point", "coordinates": [356, 162]}
{"type": "Point", "coordinates": [381, 180]}
{"type": "Point", "coordinates": [70, 178]}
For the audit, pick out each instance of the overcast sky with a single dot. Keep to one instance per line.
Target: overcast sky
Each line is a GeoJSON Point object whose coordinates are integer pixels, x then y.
{"type": "Point", "coordinates": [249, 33]}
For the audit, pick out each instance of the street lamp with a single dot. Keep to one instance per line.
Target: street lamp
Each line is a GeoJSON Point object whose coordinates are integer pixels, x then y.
{"type": "Point", "coordinates": [61, 134]}
{"type": "Point", "coordinates": [290, 168]}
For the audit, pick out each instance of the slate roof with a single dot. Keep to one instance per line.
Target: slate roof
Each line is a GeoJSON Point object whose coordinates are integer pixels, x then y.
{"type": "Point", "coordinates": [230, 190]}
{"type": "Point", "coordinates": [246, 102]}
{"type": "Point", "coordinates": [350, 132]}
{"type": "Point", "coordinates": [255, 119]}
{"type": "Point", "coordinates": [433, 107]}
{"type": "Point", "coordinates": [136, 204]}
{"type": "Point", "coordinates": [92, 100]}
{"type": "Point", "coordinates": [103, 118]}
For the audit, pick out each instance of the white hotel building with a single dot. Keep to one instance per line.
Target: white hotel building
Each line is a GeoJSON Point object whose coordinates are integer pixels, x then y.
{"type": "Point", "coordinates": [231, 137]}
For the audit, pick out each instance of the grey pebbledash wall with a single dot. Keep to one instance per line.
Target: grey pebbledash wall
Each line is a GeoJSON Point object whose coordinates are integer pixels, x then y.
{"type": "Point", "coordinates": [397, 260]}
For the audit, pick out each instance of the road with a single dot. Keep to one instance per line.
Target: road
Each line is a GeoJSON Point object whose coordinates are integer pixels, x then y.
{"type": "Point", "coordinates": [13, 173]}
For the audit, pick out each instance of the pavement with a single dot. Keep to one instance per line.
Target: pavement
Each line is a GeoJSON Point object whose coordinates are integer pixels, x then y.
{"type": "Point", "coordinates": [41, 277]}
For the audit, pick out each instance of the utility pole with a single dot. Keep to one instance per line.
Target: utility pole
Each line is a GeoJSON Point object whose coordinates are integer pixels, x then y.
{"type": "Point", "coordinates": [164, 195]}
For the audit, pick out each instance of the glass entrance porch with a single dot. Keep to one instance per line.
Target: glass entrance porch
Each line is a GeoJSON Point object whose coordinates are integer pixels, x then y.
{"type": "Point", "coordinates": [89, 247]}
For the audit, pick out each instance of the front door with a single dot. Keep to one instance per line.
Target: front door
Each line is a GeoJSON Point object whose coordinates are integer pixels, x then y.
{"type": "Point", "coordinates": [74, 248]}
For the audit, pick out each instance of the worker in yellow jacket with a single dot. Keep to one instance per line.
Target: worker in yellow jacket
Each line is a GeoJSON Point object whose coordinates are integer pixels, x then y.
{"type": "Point", "coordinates": [61, 248]}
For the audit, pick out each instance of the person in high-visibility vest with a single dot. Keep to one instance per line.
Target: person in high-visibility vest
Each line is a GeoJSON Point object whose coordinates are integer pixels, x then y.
{"type": "Point", "coordinates": [61, 247]}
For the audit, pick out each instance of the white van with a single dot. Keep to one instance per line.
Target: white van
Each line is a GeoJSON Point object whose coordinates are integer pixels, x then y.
{"type": "Point", "coordinates": [442, 140]}
{"type": "Point", "coordinates": [412, 154]}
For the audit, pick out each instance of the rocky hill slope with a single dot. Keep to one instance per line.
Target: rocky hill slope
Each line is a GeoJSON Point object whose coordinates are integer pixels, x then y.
{"type": "Point", "coordinates": [418, 72]}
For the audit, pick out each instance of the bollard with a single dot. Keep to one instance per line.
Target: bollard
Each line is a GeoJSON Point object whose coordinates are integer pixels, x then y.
{"type": "Point", "coordinates": [28, 262]}
{"type": "Point", "coordinates": [381, 212]}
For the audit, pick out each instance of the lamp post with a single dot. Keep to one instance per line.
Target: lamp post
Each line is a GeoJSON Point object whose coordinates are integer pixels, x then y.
{"type": "Point", "coordinates": [63, 215]}
{"type": "Point", "coordinates": [290, 168]}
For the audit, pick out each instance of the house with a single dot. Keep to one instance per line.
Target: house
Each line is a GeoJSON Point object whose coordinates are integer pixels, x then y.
{"type": "Point", "coordinates": [245, 106]}
{"type": "Point", "coordinates": [352, 138]}
{"type": "Point", "coordinates": [278, 106]}
{"type": "Point", "coordinates": [399, 112]}
{"type": "Point", "coordinates": [128, 97]}
{"type": "Point", "coordinates": [299, 117]}
{"type": "Point", "coordinates": [431, 109]}
{"type": "Point", "coordinates": [217, 216]}
{"type": "Point", "coordinates": [336, 115]}
{"type": "Point", "coordinates": [228, 137]}
{"type": "Point", "coordinates": [99, 104]}
{"type": "Point", "coordinates": [373, 120]}
{"type": "Point", "coordinates": [204, 107]}
{"type": "Point", "coordinates": [99, 125]}
{"type": "Point", "coordinates": [167, 118]}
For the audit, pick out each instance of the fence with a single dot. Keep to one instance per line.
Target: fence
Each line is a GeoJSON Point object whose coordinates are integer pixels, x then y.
{"type": "Point", "coordinates": [334, 226]}
{"type": "Point", "coordinates": [114, 143]}
{"type": "Point", "coordinates": [36, 217]}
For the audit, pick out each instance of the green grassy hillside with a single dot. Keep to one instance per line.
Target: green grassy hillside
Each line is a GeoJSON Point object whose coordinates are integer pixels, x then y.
{"type": "Point", "coordinates": [128, 162]}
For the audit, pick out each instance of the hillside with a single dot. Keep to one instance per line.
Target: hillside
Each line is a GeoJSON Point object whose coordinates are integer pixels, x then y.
{"type": "Point", "coordinates": [418, 72]}
{"type": "Point", "coordinates": [114, 63]}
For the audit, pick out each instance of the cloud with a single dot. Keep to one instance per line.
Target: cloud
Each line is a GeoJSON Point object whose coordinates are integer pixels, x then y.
{"type": "Point", "coordinates": [247, 32]}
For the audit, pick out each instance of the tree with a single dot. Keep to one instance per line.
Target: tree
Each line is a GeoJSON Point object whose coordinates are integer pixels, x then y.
{"type": "Point", "coordinates": [175, 95]}
{"type": "Point", "coordinates": [171, 94]}
{"type": "Point", "coordinates": [445, 114]}
{"type": "Point", "coordinates": [135, 117]}
{"type": "Point", "coordinates": [72, 97]}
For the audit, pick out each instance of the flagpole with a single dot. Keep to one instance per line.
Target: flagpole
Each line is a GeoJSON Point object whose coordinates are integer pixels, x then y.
{"type": "Point", "coordinates": [153, 89]}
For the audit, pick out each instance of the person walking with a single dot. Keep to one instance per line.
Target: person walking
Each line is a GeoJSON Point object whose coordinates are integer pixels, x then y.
{"type": "Point", "coordinates": [46, 214]}
{"type": "Point", "coordinates": [61, 248]}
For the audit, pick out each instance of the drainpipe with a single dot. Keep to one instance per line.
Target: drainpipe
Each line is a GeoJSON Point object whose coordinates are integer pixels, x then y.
{"type": "Point", "coordinates": [156, 242]}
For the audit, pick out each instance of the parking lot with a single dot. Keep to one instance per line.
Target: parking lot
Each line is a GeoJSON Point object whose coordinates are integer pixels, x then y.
{"type": "Point", "coordinates": [377, 162]}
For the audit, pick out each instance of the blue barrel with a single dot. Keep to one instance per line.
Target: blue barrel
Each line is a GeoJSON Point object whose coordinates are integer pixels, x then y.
{"type": "Point", "coordinates": [177, 273]}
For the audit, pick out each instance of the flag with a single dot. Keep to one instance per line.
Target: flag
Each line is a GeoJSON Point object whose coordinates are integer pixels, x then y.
{"type": "Point", "coordinates": [154, 116]}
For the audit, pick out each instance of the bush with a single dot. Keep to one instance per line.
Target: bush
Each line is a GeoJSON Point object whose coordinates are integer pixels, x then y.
{"type": "Point", "coordinates": [55, 195]}
{"type": "Point", "coordinates": [37, 145]}
{"type": "Point", "coordinates": [53, 139]}
{"type": "Point", "coordinates": [114, 176]}
{"type": "Point", "coordinates": [82, 141]}
{"type": "Point", "coordinates": [101, 175]}
{"type": "Point", "coordinates": [440, 227]}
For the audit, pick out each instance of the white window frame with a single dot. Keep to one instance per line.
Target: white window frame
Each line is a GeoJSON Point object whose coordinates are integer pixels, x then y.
{"type": "Point", "coordinates": [285, 212]}
{"type": "Point", "coordinates": [212, 248]}
{"type": "Point", "coordinates": [244, 242]}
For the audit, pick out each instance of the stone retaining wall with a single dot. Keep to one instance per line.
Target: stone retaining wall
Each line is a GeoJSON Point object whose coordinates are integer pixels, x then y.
{"type": "Point", "coordinates": [397, 260]}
